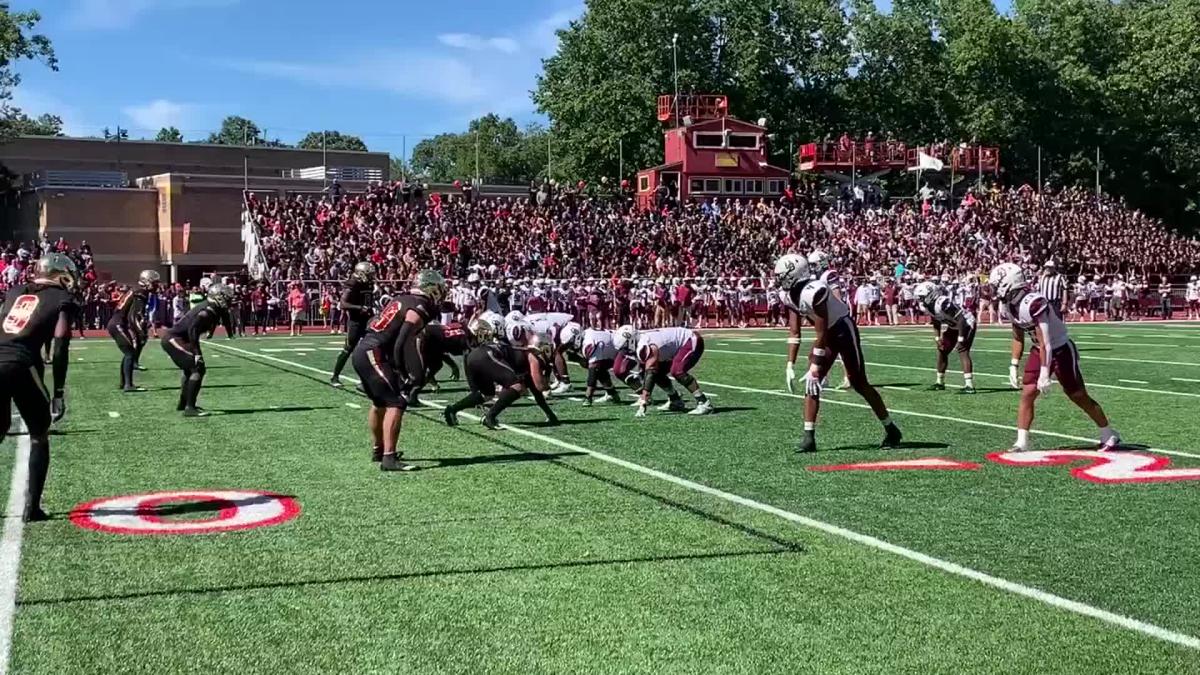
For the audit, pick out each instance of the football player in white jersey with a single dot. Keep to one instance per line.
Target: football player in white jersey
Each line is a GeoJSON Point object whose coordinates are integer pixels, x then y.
{"type": "Point", "coordinates": [818, 265]}
{"type": "Point", "coordinates": [836, 336]}
{"type": "Point", "coordinates": [549, 324]}
{"type": "Point", "coordinates": [1193, 298]}
{"type": "Point", "coordinates": [665, 354]}
{"type": "Point", "coordinates": [1053, 353]}
{"type": "Point", "coordinates": [953, 329]}
{"type": "Point", "coordinates": [596, 349]}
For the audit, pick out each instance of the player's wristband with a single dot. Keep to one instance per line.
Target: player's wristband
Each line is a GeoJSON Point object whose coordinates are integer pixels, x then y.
{"type": "Point", "coordinates": [818, 351]}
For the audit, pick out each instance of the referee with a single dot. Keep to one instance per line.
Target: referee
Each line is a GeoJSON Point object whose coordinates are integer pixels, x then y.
{"type": "Point", "coordinates": [1052, 285]}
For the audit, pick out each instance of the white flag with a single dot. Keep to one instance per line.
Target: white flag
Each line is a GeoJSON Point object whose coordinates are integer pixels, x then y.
{"type": "Point", "coordinates": [927, 163]}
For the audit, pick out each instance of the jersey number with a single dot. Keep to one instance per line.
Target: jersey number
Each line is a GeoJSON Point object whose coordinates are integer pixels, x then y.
{"type": "Point", "coordinates": [385, 317]}
{"type": "Point", "coordinates": [18, 317]}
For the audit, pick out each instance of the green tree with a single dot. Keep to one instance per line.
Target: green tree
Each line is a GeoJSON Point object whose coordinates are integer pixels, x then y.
{"type": "Point", "coordinates": [169, 135]}
{"type": "Point", "coordinates": [236, 131]}
{"type": "Point", "coordinates": [333, 140]}
{"type": "Point", "coordinates": [18, 43]}
{"type": "Point", "coordinates": [496, 147]}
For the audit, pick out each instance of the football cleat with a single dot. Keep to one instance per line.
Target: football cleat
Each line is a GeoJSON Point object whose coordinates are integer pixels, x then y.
{"type": "Point", "coordinates": [608, 398]}
{"type": "Point", "coordinates": [808, 443]}
{"type": "Point", "coordinates": [967, 390]}
{"type": "Point", "coordinates": [552, 421]}
{"type": "Point", "coordinates": [673, 405]}
{"type": "Point", "coordinates": [560, 388]}
{"type": "Point", "coordinates": [1110, 442]}
{"type": "Point", "coordinates": [335, 383]}
{"type": "Point", "coordinates": [132, 390]}
{"type": "Point", "coordinates": [705, 408]}
{"type": "Point", "coordinates": [489, 422]}
{"type": "Point", "coordinates": [195, 412]}
{"type": "Point", "coordinates": [377, 454]}
{"type": "Point", "coordinates": [587, 403]}
{"type": "Point", "coordinates": [392, 463]}
{"type": "Point", "coordinates": [937, 387]}
{"type": "Point", "coordinates": [891, 439]}
{"type": "Point", "coordinates": [140, 367]}
{"type": "Point", "coordinates": [450, 417]}
{"type": "Point", "coordinates": [34, 514]}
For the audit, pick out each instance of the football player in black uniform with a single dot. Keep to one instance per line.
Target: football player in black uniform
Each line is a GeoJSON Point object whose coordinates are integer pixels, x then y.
{"type": "Point", "coordinates": [358, 304]}
{"type": "Point", "coordinates": [182, 343]}
{"type": "Point", "coordinates": [387, 361]}
{"type": "Point", "coordinates": [34, 314]}
{"type": "Point", "coordinates": [128, 325]}
{"type": "Point", "coordinates": [514, 366]}
{"type": "Point", "coordinates": [437, 344]}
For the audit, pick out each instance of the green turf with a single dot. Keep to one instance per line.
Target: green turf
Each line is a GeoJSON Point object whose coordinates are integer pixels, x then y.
{"type": "Point", "coordinates": [510, 554]}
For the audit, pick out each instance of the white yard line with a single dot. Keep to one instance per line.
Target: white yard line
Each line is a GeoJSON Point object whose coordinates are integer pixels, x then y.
{"type": "Point", "coordinates": [888, 386]}
{"type": "Point", "coordinates": [10, 545]}
{"type": "Point", "coordinates": [1006, 351]}
{"type": "Point", "coordinates": [1132, 381]}
{"type": "Point", "coordinates": [1185, 379]}
{"type": "Point", "coordinates": [878, 364]}
{"type": "Point", "coordinates": [114, 414]}
{"type": "Point", "coordinates": [353, 405]}
{"type": "Point", "coordinates": [1057, 601]}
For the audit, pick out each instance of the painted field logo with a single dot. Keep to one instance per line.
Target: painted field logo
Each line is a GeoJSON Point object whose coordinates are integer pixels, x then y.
{"type": "Point", "coordinates": [187, 512]}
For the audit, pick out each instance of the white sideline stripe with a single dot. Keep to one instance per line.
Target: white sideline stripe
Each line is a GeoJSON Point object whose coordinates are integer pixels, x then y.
{"type": "Point", "coordinates": [114, 414]}
{"type": "Point", "coordinates": [10, 545]}
{"type": "Point", "coordinates": [353, 405]}
{"type": "Point", "coordinates": [1133, 381]}
{"type": "Point", "coordinates": [888, 386]}
{"type": "Point", "coordinates": [894, 411]}
{"type": "Point", "coordinates": [872, 364]}
{"type": "Point", "coordinates": [1060, 602]}
{"type": "Point", "coordinates": [1185, 379]}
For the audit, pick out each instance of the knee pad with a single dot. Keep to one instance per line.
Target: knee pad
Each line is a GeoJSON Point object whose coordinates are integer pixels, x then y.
{"type": "Point", "coordinates": [685, 379]}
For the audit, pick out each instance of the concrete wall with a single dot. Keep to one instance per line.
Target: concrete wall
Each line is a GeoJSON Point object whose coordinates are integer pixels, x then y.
{"type": "Point", "coordinates": [119, 224]}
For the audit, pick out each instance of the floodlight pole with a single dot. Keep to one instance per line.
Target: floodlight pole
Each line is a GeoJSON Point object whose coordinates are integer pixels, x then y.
{"type": "Point", "coordinates": [675, 68]}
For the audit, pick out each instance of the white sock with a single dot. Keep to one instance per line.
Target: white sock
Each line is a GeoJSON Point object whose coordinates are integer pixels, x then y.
{"type": "Point", "coordinates": [941, 378]}
{"type": "Point", "coordinates": [1022, 439]}
{"type": "Point", "coordinates": [810, 426]}
{"type": "Point", "coordinates": [969, 379]}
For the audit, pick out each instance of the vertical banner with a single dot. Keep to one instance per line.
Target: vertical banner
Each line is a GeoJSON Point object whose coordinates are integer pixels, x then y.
{"type": "Point", "coordinates": [187, 235]}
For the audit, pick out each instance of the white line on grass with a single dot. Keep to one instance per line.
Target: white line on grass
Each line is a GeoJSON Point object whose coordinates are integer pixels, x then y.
{"type": "Point", "coordinates": [1060, 602]}
{"type": "Point", "coordinates": [894, 388]}
{"type": "Point", "coordinates": [353, 405]}
{"type": "Point", "coordinates": [10, 545]}
{"type": "Point", "coordinates": [114, 414]}
{"type": "Point", "coordinates": [1185, 379]}
{"type": "Point", "coordinates": [1132, 381]}
{"type": "Point", "coordinates": [878, 364]}
{"type": "Point", "coordinates": [1006, 351]}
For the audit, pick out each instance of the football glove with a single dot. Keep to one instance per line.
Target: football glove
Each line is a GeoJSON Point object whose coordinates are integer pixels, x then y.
{"type": "Point", "coordinates": [199, 359]}
{"type": "Point", "coordinates": [791, 378]}
{"type": "Point", "coordinates": [1043, 383]}
{"type": "Point", "coordinates": [812, 382]}
{"type": "Point", "coordinates": [1013, 380]}
{"type": "Point", "coordinates": [58, 408]}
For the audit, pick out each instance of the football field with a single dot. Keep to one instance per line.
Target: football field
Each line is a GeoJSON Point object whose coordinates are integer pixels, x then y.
{"type": "Point", "coordinates": [267, 542]}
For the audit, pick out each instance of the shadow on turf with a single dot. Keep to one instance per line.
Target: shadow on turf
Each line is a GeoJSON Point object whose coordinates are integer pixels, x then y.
{"type": "Point", "coordinates": [447, 462]}
{"type": "Point", "coordinates": [563, 423]}
{"type": "Point", "coordinates": [280, 409]}
{"type": "Point", "coordinates": [904, 445]}
{"type": "Point", "coordinates": [405, 576]}
{"type": "Point", "coordinates": [210, 386]}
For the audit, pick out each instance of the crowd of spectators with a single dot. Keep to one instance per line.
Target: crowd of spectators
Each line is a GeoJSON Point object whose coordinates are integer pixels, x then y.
{"type": "Point", "coordinates": [319, 237]}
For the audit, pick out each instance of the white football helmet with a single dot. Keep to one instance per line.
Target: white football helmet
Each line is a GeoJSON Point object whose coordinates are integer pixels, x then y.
{"type": "Point", "coordinates": [1082, 279]}
{"type": "Point", "coordinates": [483, 331]}
{"type": "Point", "coordinates": [1007, 278]}
{"type": "Point", "coordinates": [496, 321]}
{"type": "Point", "coordinates": [818, 261]}
{"type": "Point", "coordinates": [518, 333]}
{"type": "Point", "coordinates": [625, 338]}
{"type": "Point", "coordinates": [926, 292]}
{"type": "Point", "coordinates": [473, 278]}
{"type": "Point", "coordinates": [570, 335]}
{"type": "Point", "coordinates": [790, 270]}
{"type": "Point", "coordinates": [514, 316]}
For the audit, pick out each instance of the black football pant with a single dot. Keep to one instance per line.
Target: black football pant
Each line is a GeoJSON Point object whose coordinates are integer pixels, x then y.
{"type": "Point", "coordinates": [21, 384]}
{"type": "Point", "coordinates": [354, 332]}
{"type": "Point", "coordinates": [184, 357]}
{"type": "Point", "coordinates": [127, 343]}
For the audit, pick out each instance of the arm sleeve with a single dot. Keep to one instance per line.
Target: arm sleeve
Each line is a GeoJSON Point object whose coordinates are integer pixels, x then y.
{"type": "Point", "coordinates": [61, 357]}
{"type": "Point", "coordinates": [227, 322]}
{"type": "Point", "coordinates": [408, 330]}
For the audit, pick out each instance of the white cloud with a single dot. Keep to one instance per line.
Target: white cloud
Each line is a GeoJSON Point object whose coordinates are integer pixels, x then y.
{"type": "Point", "coordinates": [157, 114]}
{"type": "Point", "coordinates": [114, 14]}
{"type": "Point", "coordinates": [479, 43]}
{"type": "Point", "coordinates": [543, 36]}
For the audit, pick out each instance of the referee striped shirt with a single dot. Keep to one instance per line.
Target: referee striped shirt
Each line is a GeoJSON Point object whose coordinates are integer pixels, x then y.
{"type": "Point", "coordinates": [1054, 287]}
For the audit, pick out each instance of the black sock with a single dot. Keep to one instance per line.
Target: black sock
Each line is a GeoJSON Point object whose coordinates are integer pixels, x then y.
{"type": "Point", "coordinates": [701, 397]}
{"type": "Point", "coordinates": [137, 352]}
{"type": "Point", "coordinates": [540, 400]}
{"type": "Point", "coordinates": [506, 398]}
{"type": "Point", "coordinates": [183, 389]}
{"type": "Point", "coordinates": [470, 401]}
{"type": "Point", "coordinates": [193, 388]}
{"type": "Point", "coordinates": [342, 357]}
{"type": "Point", "coordinates": [127, 370]}
{"type": "Point", "coordinates": [39, 466]}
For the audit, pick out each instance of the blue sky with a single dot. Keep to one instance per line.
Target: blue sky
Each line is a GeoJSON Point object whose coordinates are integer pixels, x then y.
{"type": "Point", "coordinates": [390, 72]}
